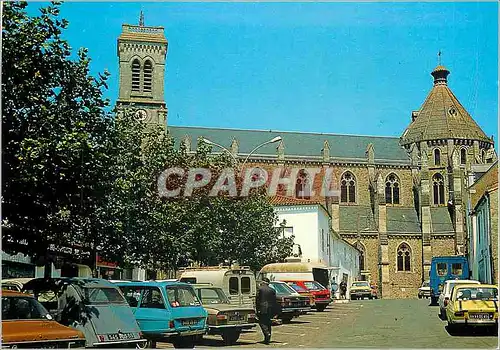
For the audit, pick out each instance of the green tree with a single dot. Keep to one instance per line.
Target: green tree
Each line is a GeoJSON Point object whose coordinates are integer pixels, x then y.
{"type": "Point", "coordinates": [165, 233]}
{"type": "Point", "coordinates": [56, 137]}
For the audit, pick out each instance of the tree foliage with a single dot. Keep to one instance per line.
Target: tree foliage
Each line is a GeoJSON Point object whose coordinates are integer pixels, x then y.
{"type": "Point", "coordinates": [55, 136]}
{"type": "Point", "coordinates": [76, 175]}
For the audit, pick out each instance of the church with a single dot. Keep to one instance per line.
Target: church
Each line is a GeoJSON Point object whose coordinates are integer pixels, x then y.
{"type": "Point", "coordinates": [402, 200]}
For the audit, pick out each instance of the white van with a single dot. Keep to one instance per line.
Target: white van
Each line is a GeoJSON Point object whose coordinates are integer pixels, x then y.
{"type": "Point", "coordinates": [238, 282]}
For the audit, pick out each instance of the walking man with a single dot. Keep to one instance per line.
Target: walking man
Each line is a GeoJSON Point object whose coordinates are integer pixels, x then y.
{"type": "Point", "coordinates": [343, 289]}
{"type": "Point", "coordinates": [334, 288]}
{"type": "Point", "coordinates": [266, 308]}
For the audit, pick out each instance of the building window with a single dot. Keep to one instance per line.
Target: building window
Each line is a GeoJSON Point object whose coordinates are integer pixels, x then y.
{"type": "Point", "coordinates": [136, 75]}
{"type": "Point", "coordinates": [437, 157]}
{"type": "Point", "coordinates": [483, 156]}
{"type": "Point", "coordinates": [392, 189]}
{"type": "Point", "coordinates": [302, 186]}
{"type": "Point", "coordinates": [463, 156]}
{"type": "Point", "coordinates": [348, 188]}
{"type": "Point", "coordinates": [438, 188]}
{"type": "Point", "coordinates": [361, 257]}
{"type": "Point", "coordinates": [404, 257]}
{"type": "Point", "coordinates": [148, 76]}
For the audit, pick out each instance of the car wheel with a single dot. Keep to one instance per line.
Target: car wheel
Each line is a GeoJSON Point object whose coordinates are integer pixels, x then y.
{"type": "Point", "coordinates": [149, 344]}
{"type": "Point", "coordinates": [442, 314]}
{"type": "Point", "coordinates": [286, 318]}
{"type": "Point", "coordinates": [230, 338]}
{"type": "Point", "coordinates": [184, 342]}
{"type": "Point", "coordinates": [353, 297]}
{"type": "Point", "coordinates": [419, 296]}
{"type": "Point", "coordinates": [370, 297]}
{"type": "Point", "coordinates": [321, 308]}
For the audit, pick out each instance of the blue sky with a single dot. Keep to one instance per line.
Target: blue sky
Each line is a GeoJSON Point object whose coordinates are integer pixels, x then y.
{"type": "Point", "coordinates": [350, 68]}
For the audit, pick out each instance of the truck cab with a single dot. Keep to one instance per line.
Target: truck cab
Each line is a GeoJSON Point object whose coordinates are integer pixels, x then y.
{"type": "Point", "coordinates": [445, 268]}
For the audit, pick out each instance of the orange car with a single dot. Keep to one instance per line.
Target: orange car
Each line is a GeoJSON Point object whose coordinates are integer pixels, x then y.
{"type": "Point", "coordinates": [26, 323]}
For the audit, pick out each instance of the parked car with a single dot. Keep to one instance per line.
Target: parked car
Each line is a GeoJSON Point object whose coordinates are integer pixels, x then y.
{"type": "Point", "coordinates": [425, 290]}
{"type": "Point", "coordinates": [15, 283]}
{"type": "Point", "coordinates": [444, 297]}
{"type": "Point", "coordinates": [238, 282]}
{"type": "Point", "coordinates": [444, 268]}
{"type": "Point", "coordinates": [93, 306]}
{"type": "Point", "coordinates": [302, 291]}
{"type": "Point", "coordinates": [224, 318]}
{"type": "Point", "coordinates": [166, 311]}
{"type": "Point", "coordinates": [360, 290]}
{"type": "Point", "coordinates": [472, 305]}
{"type": "Point", "coordinates": [320, 294]}
{"type": "Point", "coordinates": [27, 324]}
{"type": "Point", "coordinates": [291, 304]}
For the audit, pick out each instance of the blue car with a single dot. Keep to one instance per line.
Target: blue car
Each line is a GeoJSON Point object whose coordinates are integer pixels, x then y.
{"type": "Point", "coordinates": [444, 268]}
{"type": "Point", "coordinates": [166, 311]}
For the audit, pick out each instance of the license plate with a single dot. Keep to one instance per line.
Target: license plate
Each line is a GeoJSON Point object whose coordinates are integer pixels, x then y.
{"type": "Point", "coordinates": [190, 322]}
{"type": "Point", "coordinates": [236, 318]}
{"type": "Point", "coordinates": [480, 316]}
{"type": "Point", "coordinates": [121, 336]}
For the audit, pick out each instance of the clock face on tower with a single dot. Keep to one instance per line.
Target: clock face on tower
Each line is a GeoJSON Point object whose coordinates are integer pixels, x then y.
{"type": "Point", "coordinates": [141, 114]}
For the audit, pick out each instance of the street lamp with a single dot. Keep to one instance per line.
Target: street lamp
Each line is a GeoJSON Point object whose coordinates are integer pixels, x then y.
{"type": "Point", "coordinates": [273, 140]}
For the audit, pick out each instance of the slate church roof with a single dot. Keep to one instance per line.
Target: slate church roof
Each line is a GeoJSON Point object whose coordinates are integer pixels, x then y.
{"type": "Point", "coordinates": [442, 116]}
{"type": "Point", "coordinates": [302, 145]}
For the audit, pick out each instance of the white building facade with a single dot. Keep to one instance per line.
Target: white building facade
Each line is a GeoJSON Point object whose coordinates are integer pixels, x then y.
{"type": "Point", "coordinates": [316, 242]}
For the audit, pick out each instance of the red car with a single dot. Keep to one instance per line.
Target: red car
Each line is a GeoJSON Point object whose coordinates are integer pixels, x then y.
{"type": "Point", "coordinates": [320, 294]}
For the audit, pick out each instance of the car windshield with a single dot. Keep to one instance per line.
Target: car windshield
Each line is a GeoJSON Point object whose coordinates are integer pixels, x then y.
{"type": "Point", "coordinates": [360, 284]}
{"type": "Point", "coordinates": [297, 288]}
{"type": "Point", "coordinates": [477, 293]}
{"type": "Point", "coordinates": [280, 288]}
{"type": "Point", "coordinates": [22, 308]}
{"type": "Point", "coordinates": [290, 289]}
{"type": "Point", "coordinates": [313, 285]}
{"type": "Point", "coordinates": [103, 295]}
{"type": "Point", "coordinates": [182, 296]}
{"type": "Point", "coordinates": [213, 296]}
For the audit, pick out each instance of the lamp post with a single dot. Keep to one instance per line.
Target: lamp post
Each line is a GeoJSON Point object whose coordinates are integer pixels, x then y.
{"type": "Point", "coordinates": [273, 140]}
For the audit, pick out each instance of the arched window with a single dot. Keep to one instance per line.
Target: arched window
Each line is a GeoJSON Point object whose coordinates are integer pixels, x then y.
{"type": "Point", "coordinates": [392, 189]}
{"type": "Point", "coordinates": [148, 76]}
{"type": "Point", "coordinates": [348, 188]}
{"type": "Point", "coordinates": [302, 186]}
{"type": "Point", "coordinates": [404, 257]}
{"type": "Point", "coordinates": [437, 157]}
{"type": "Point", "coordinates": [483, 156]}
{"type": "Point", "coordinates": [463, 156]}
{"type": "Point", "coordinates": [438, 188]}
{"type": "Point", "coordinates": [136, 75]}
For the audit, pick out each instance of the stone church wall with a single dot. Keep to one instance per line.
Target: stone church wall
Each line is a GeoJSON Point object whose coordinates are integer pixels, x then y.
{"type": "Point", "coordinates": [405, 284]}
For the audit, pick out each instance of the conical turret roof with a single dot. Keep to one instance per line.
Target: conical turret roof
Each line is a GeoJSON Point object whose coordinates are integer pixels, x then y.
{"type": "Point", "coordinates": [442, 116]}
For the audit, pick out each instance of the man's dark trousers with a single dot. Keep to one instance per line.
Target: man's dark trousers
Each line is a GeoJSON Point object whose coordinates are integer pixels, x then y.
{"type": "Point", "coordinates": [265, 324]}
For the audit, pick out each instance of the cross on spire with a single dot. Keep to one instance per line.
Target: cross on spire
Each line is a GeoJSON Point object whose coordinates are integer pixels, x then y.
{"type": "Point", "coordinates": [141, 19]}
{"type": "Point", "coordinates": [439, 58]}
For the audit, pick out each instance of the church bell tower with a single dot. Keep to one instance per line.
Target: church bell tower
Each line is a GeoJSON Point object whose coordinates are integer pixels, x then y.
{"type": "Point", "coordinates": [142, 52]}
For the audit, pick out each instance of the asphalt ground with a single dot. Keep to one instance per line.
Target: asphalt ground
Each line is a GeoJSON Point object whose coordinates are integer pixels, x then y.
{"type": "Point", "coordinates": [404, 323]}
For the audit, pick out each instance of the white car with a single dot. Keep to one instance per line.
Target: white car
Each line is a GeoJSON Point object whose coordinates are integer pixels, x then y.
{"type": "Point", "coordinates": [425, 290]}
{"type": "Point", "coordinates": [446, 294]}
